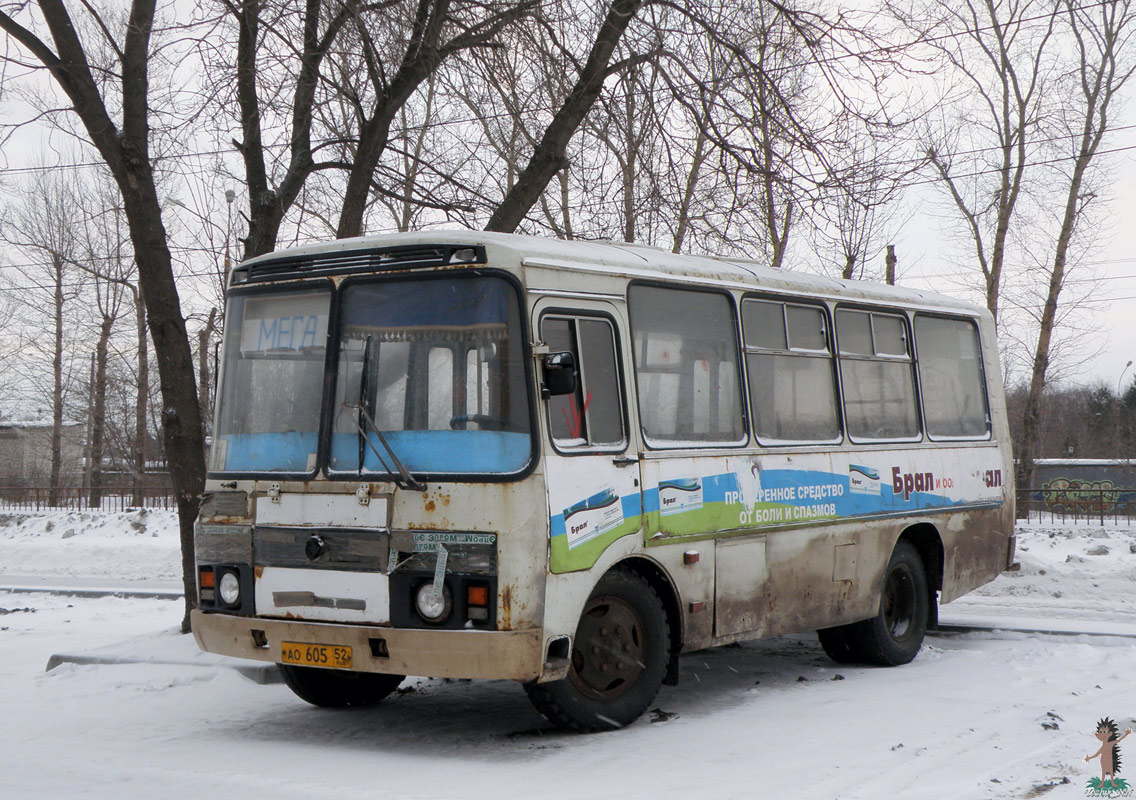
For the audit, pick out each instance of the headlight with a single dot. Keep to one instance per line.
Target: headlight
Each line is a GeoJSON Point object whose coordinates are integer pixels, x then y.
{"type": "Point", "coordinates": [230, 588]}
{"type": "Point", "coordinates": [432, 607]}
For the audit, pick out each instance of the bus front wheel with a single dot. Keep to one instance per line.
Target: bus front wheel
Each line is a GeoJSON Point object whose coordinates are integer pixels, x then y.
{"type": "Point", "coordinates": [895, 634]}
{"type": "Point", "coordinates": [619, 658]}
{"type": "Point", "coordinates": [335, 688]}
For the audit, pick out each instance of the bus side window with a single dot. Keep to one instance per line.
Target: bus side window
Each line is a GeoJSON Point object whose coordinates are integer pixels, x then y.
{"type": "Point", "coordinates": [877, 375]}
{"type": "Point", "coordinates": [791, 383]}
{"type": "Point", "coordinates": [952, 378]}
{"type": "Point", "coordinates": [592, 416]}
{"type": "Point", "coordinates": [686, 366]}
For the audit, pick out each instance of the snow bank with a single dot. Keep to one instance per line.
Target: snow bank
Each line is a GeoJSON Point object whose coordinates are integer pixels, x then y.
{"type": "Point", "coordinates": [141, 544]}
{"type": "Point", "coordinates": [1067, 571]}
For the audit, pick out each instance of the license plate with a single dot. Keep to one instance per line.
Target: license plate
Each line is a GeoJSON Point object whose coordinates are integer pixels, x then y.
{"type": "Point", "coordinates": [316, 655]}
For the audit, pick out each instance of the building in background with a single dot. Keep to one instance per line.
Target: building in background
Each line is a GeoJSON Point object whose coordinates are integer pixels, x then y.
{"type": "Point", "coordinates": [25, 452]}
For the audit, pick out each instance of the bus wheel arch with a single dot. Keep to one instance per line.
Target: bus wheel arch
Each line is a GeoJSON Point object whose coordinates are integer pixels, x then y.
{"type": "Point", "coordinates": [654, 575]}
{"type": "Point", "coordinates": [619, 658]}
{"type": "Point", "coordinates": [925, 538]}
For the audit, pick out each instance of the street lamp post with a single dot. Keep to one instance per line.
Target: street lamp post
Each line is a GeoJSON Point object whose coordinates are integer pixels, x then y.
{"type": "Point", "coordinates": [230, 196]}
{"type": "Point", "coordinates": [1120, 409]}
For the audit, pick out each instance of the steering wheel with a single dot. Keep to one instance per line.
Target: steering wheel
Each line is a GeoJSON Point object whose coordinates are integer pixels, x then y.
{"type": "Point", "coordinates": [482, 420]}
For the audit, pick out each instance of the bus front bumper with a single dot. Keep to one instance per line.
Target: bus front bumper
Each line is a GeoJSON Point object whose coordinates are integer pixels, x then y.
{"type": "Point", "coordinates": [510, 655]}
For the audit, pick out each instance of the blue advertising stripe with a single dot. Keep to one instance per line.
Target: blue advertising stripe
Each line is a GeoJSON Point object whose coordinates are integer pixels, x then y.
{"type": "Point", "coordinates": [632, 505]}
{"type": "Point", "coordinates": [792, 487]}
{"type": "Point", "coordinates": [714, 487]}
{"type": "Point", "coordinates": [651, 501]}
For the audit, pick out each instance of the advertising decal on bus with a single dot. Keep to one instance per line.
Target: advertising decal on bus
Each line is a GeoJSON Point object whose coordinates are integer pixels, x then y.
{"type": "Point", "coordinates": [749, 496]}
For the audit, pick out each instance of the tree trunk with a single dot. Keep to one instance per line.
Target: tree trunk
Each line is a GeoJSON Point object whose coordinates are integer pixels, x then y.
{"type": "Point", "coordinates": [631, 161]}
{"type": "Point", "coordinates": [203, 377]}
{"type": "Point", "coordinates": [57, 390]}
{"type": "Point", "coordinates": [141, 403]}
{"type": "Point", "coordinates": [182, 431]}
{"type": "Point", "coordinates": [98, 414]}
{"type": "Point", "coordinates": [692, 178]}
{"type": "Point", "coordinates": [87, 449]}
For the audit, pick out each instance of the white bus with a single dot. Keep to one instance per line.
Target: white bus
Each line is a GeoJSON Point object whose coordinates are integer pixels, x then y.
{"type": "Point", "coordinates": [474, 455]}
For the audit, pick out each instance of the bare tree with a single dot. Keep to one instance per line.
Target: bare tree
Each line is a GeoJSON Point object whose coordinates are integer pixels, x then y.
{"type": "Point", "coordinates": [1003, 53]}
{"type": "Point", "coordinates": [104, 254]}
{"type": "Point", "coordinates": [347, 69]}
{"type": "Point", "coordinates": [859, 205]}
{"type": "Point", "coordinates": [43, 225]}
{"type": "Point", "coordinates": [1102, 35]}
{"type": "Point", "coordinates": [8, 390]}
{"type": "Point", "coordinates": [548, 156]}
{"type": "Point", "coordinates": [113, 104]}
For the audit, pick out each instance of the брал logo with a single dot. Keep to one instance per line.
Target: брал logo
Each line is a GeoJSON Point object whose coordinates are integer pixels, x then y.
{"type": "Point", "coordinates": [1109, 755]}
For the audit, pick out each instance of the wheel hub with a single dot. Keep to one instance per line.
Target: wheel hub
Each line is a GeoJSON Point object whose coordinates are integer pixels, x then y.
{"type": "Point", "coordinates": [900, 603]}
{"type": "Point", "coordinates": [607, 657]}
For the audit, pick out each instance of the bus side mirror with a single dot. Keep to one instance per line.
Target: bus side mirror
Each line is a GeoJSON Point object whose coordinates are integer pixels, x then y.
{"type": "Point", "coordinates": [559, 374]}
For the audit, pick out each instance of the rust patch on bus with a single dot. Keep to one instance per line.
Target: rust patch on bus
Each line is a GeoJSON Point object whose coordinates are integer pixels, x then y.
{"type": "Point", "coordinates": [505, 618]}
{"type": "Point", "coordinates": [258, 571]}
{"type": "Point", "coordinates": [441, 525]}
{"type": "Point", "coordinates": [430, 505]}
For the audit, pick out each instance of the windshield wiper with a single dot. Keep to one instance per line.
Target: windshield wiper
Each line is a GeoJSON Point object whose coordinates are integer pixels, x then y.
{"type": "Point", "coordinates": [363, 418]}
{"type": "Point", "coordinates": [364, 380]}
{"type": "Point", "coordinates": [405, 479]}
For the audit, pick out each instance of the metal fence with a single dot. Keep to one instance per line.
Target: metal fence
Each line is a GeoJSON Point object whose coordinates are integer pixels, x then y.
{"type": "Point", "coordinates": [76, 498]}
{"type": "Point", "coordinates": [1077, 505]}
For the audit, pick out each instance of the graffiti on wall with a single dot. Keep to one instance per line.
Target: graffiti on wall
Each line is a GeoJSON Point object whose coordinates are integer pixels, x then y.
{"type": "Point", "coordinates": [1082, 496]}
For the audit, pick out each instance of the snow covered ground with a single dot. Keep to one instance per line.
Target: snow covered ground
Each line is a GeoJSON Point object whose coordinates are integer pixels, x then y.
{"type": "Point", "coordinates": [977, 715]}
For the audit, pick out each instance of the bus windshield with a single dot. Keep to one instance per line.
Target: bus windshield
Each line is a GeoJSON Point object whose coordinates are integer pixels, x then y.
{"type": "Point", "coordinates": [436, 366]}
{"type": "Point", "coordinates": [272, 380]}
{"type": "Point", "coordinates": [429, 379]}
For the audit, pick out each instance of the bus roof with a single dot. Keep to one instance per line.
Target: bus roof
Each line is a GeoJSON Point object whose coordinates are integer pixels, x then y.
{"type": "Point", "coordinates": [639, 261]}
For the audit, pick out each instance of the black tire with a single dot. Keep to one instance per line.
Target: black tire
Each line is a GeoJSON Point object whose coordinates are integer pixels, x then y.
{"type": "Point", "coordinates": [336, 688]}
{"type": "Point", "coordinates": [841, 643]}
{"type": "Point", "coordinates": [894, 636]}
{"type": "Point", "coordinates": [619, 657]}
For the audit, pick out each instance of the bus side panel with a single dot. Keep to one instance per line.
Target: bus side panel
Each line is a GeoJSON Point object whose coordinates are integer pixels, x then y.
{"type": "Point", "coordinates": [820, 577]}
{"type": "Point", "coordinates": [830, 522]}
{"type": "Point", "coordinates": [977, 545]}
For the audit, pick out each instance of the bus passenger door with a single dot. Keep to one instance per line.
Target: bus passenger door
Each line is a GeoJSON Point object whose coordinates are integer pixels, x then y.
{"type": "Point", "coordinates": [592, 478]}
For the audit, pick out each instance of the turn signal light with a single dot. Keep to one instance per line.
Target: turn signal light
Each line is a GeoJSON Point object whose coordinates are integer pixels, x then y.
{"type": "Point", "coordinates": [208, 579]}
{"type": "Point", "coordinates": [477, 596]}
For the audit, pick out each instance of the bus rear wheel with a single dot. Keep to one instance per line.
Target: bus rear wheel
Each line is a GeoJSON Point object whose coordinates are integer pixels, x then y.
{"type": "Point", "coordinates": [840, 643]}
{"type": "Point", "coordinates": [335, 688]}
{"type": "Point", "coordinates": [894, 636]}
{"type": "Point", "coordinates": [619, 657]}
{"type": "Point", "coordinates": [896, 633]}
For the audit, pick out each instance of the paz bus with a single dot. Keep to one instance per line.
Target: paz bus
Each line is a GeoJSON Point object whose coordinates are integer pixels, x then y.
{"type": "Point", "coordinates": [475, 455]}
